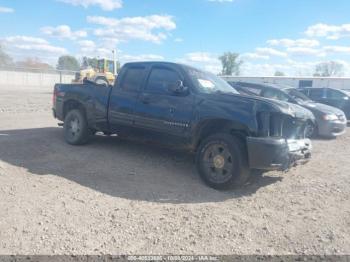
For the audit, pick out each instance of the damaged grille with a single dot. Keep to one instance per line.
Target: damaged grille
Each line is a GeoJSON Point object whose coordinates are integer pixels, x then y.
{"type": "Point", "coordinates": [279, 125]}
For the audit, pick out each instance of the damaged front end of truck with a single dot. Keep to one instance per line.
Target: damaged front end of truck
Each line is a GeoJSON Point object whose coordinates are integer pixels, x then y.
{"type": "Point", "coordinates": [280, 141]}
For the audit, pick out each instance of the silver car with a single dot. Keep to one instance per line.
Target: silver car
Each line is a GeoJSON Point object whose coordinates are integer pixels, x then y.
{"type": "Point", "coordinates": [330, 121]}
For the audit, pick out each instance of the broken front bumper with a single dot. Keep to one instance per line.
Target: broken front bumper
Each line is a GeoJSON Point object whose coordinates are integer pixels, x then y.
{"type": "Point", "coordinates": [270, 153]}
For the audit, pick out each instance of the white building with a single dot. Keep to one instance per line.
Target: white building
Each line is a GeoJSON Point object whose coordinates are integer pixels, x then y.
{"type": "Point", "coordinates": [334, 82]}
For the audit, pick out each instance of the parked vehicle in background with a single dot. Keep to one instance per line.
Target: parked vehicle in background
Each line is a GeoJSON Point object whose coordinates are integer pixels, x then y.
{"type": "Point", "coordinates": [330, 121]}
{"type": "Point", "coordinates": [329, 96]}
{"type": "Point", "coordinates": [182, 107]}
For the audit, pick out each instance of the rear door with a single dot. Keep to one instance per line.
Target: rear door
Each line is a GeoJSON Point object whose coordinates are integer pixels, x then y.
{"type": "Point", "coordinates": [124, 96]}
{"type": "Point", "coordinates": [158, 109]}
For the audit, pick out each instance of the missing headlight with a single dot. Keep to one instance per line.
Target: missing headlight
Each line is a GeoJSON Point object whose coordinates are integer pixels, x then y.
{"type": "Point", "coordinates": [280, 125]}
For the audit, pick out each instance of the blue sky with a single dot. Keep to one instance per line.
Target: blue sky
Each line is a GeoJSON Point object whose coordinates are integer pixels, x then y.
{"type": "Point", "coordinates": [286, 35]}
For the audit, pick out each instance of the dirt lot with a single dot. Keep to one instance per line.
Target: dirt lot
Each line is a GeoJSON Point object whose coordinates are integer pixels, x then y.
{"type": "Point", "coordinates": [120, 197]}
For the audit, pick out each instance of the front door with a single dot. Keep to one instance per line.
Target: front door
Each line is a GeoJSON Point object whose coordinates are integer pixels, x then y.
{"type": "Point", "coordinates": [158, 109]}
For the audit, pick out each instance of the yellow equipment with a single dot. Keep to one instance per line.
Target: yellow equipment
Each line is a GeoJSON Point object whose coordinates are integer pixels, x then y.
{"type": "Point", "coordinates": [102, 74]}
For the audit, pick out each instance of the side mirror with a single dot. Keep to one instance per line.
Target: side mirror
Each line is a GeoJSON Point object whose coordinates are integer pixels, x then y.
{"type": "Point", "coordinates": [177, 87]}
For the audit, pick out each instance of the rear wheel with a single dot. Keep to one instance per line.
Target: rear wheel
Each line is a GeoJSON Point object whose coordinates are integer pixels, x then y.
{"type": "Point", "coordinates": [76, 130]}
{"type": "Point", "coordinates": [221, 162]}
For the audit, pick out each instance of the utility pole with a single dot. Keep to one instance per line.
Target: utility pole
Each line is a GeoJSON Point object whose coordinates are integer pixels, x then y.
{"type": "Point", "coordinates": [115, 61]}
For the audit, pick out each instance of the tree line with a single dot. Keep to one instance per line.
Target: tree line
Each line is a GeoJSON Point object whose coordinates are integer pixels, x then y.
{"type": "Point", "coordinates": [231, 65]}
{"type": "Point", "coordinates": [230, 62]}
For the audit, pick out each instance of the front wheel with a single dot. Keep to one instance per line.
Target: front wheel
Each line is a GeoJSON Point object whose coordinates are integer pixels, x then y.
{"type": "Point", "coordinates": [76, 130]}
{"type": "Point", "coordinates": [310, 130]}
{"type": "Point", "coordinates": [222, 162]}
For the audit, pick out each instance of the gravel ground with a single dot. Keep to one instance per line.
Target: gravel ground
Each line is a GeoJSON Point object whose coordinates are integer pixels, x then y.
{"type": "Point", "coordinates": [120, 197]}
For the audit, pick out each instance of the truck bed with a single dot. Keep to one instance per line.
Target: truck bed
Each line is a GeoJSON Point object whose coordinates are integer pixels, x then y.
{"type": "Point", "coordinates": [93, 97]}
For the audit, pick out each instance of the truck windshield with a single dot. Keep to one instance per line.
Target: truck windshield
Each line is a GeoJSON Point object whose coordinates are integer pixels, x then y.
{"type": "Point", "coordinates": [209, 83]}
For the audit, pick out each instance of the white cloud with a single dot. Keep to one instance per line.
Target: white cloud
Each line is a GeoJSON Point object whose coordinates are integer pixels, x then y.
{"type": "Point", "coordinates": [261, 69]}
{"type": "Point", "coordinates": [145, 57]}
{"type": "Point", "coordinates": [145, 28]}
{"type": "Point", "coordinates": [332, 32]}
{"type": "Point", "coordinates": [318, 52]}
{"type": "Point", "coordinates": [200, 57]}
{"type": "Point", "coordinates": [290, 68]}
{"type": "Point", "coordinates": [63, 31]}
{"type": "Point", "coordinates": [90, 49]}
{"type": "Point", "coordinates": [204, 60]}
{"type": "Point", "coordinates": [337, 49]}
{"type": "Point", "coordinates": [21, 47]}
{"type": "Point", "coordinates": [178, 40]}
{"type": "Point", "coordinates": [41, 48]}
{"type": "Point", "coordinates": [87, 43]}
{"type": "Point", "coordinates": [107, 5]}
{"type": "Point", "coordinates": [253, 56]}
{"type": "Point", "coordinates": [266, 51]}
{"type": "Point", "coordinates": [87, 46]}
{"type": "Point", "coordinates": [148, 22]}
{"type": "Point", "coordinates": [302, 51]}
{"type": "Point", "coordinates": [24, 39]}
{"type": "Point", "coordinates": [6, 9]}
{"type": "Point", "coordinates": [285, 42]}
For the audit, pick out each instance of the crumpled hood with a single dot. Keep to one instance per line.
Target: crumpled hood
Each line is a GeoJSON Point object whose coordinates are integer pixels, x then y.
{"type": "Point", "coordinates": [293, 110]}
{"type": "Point", "coordinates": [287, 108]}
{"type": "Point", "coordinates": [322, 108]}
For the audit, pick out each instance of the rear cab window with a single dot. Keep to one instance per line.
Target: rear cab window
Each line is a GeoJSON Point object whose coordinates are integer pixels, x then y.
{"type": "Point", "coordinates": [133, 79]}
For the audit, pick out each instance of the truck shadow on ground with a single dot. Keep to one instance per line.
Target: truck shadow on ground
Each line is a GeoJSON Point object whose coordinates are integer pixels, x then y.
{"type": "Point", "coordinates": [117, 167]}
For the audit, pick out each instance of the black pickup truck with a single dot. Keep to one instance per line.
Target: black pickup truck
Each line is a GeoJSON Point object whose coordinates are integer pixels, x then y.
{"type": "Point", "coordinates": [183, 107]}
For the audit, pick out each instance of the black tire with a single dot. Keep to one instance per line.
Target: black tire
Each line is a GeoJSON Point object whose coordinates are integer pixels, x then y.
{"type": "Point", "coordinates": [221, 161]}
{"type": "Point", "coordinates": [76, 130]}
{"type": "Point", "coordinates": [311, 130]}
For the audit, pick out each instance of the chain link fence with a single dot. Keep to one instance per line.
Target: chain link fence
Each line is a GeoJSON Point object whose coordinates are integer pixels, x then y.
{"type": "Point", "coordinates": [24, 76]}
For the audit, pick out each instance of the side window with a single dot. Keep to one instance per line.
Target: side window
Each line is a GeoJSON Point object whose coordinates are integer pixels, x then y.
{"type": "Point", "coordinates": [334, 94]}
{"type": "Point", "coordinates": [316, 93]}
{"type": "Point", "coordinates": [160, 79]}
{"type": "Point", "coordinates": [133, 79]}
